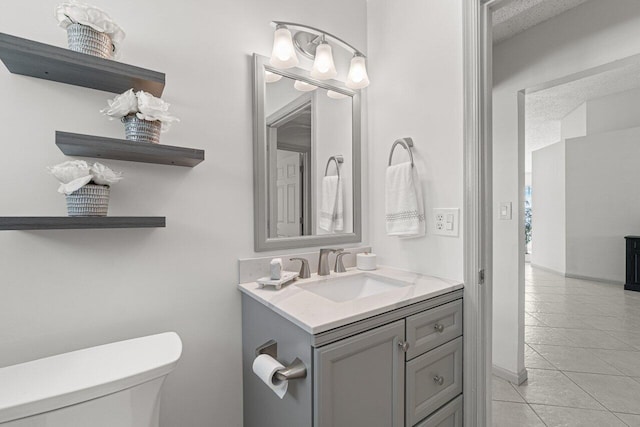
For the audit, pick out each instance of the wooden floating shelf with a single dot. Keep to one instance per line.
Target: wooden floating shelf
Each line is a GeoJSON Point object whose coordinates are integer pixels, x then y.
{"type": "Point", "coordinates": [73, 144]}
{"type": "Point", "coordinates": [79, 222]}
{"type": "Point", "coordinates": [43, 61]}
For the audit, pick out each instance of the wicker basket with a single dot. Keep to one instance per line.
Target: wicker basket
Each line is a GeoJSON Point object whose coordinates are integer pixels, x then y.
{"type": "Point", "coordinates": [139, 130]}
{"type": "Point", "coordinates": [90, 200]}
{"type": "Point", "coordinates": [84, 39]}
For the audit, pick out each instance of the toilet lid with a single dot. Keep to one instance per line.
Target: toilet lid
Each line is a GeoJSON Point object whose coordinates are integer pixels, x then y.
{"type": "Point", "coordinates": [66, 379]}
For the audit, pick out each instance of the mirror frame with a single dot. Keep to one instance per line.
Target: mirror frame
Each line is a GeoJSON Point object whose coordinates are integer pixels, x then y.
{"type": "Point", "coordinates": [262, 241]}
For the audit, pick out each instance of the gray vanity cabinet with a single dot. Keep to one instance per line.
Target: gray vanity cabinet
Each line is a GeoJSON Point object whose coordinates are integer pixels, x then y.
{"type": "Point", "coordinates": [402, 368]}
{"type": "Point", "coordinates": [359, 381]}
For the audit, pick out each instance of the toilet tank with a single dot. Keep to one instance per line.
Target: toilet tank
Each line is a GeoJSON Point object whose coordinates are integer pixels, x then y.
{"type": "Point", "coordinates": [112, 385]}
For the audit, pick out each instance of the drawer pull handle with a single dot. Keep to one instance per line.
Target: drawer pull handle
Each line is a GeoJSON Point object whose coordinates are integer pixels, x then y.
{"type": "Point", "coordinates": [404, 345]}
{"type": "Point", "coordinates": [438, 327]}
{"type": "Point", "coordinates": [438, 380]}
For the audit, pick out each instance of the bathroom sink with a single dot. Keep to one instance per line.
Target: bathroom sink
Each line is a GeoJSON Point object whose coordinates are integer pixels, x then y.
{"type": "Point", "coordinates": [342, 289]}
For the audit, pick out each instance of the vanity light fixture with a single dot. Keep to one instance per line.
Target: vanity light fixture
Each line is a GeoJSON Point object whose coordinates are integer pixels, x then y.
{"type": "Point", "coordinates": [312, 43]}
{"type": "Point", "coordinates": [304, 86]}
{"type": "Point", "coordinates": [336, 95]}
{"type": "Point", "coordinates": [283, 54]}
{"type": "Point", "coordinates": [270, 77]}
{"type": "Point", "coordinates": [323, 66]}
{"type": "Point", "coordinates": [357, 78]}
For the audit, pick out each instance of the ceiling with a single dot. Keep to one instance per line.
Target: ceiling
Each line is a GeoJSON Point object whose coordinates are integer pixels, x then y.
{"type": "Point", "coordinates": [518, 15]}
{"type": "Point", "coordinates": [546, 107]}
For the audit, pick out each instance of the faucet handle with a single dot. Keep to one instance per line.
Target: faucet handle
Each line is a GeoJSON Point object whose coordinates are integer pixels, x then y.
{"type": "Point", "coordinates": [339, 268]}
{"type": "Point", "coordinates": [305, 273]}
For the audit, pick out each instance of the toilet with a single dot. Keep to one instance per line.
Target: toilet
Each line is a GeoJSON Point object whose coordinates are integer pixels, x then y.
{"type": "Point", "coordinates": [112, 385]}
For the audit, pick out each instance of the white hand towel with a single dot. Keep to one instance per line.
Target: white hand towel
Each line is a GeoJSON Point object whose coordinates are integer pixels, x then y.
{"type": "Point", "coordinates": [404, 205]}
{"type": "Point", "coordinates": [331, 204]}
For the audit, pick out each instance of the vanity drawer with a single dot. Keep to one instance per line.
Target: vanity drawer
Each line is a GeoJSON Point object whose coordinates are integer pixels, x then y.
{"type": "Point", "coordinates": [428, 330]}
{"type": "Point", "coordinates": [433, 379]}
{"type": "Point", "coordinates": [448, 416]}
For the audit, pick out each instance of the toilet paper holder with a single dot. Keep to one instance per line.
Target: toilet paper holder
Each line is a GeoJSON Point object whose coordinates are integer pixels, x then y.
{"type": "Point", "coordinates": [295, 370]}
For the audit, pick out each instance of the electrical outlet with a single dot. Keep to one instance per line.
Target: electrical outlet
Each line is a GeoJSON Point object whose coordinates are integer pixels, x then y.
{"type": "Point", "coordinates": [446, 222]}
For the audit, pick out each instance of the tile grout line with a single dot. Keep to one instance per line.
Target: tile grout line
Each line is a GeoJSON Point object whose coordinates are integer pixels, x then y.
{"type": "Point", "coordinates": [621, 420]}
{"type": "Point", "coordinates": [537, 415]}
{"type": "Point", "coordinates": [589, 350]}
{"type": "Point", "coordinates": [543, 358]}
{"type": "Point", "coordinates": [589, 394]}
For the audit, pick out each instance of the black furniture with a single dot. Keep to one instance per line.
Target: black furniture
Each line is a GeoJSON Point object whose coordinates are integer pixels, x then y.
{"type": "Point", "coordinates": [632, 282]}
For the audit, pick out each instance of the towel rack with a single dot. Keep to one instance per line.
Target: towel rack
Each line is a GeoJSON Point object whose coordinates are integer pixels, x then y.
{"type": "Point", "coordinates": [338, 159]}
{"type": "Point", "coordinates": [407, 143]}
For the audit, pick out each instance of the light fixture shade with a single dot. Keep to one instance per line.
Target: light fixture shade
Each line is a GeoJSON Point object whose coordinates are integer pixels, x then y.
{"type": "Point", "coordinates": [357, 78]}
{"type": "Point", "coordinates": [336, 95]}
{"type": "Point", "coordinates": [304, 86]}
{"type": "Point", "coordinates": [283, 54]}
{"type": "Point", "coordinates": [270, 77]}
{"type": "Point", "coordinates": [323, 66]}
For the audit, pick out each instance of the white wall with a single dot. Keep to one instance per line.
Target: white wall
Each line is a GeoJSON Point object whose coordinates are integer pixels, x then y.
{"type": "Point", "coordinates": [548, 200]}
{"type": "Point", "coordinates": [592, 34]}
{"type": "Point", "coordinates": [64, 290]}
{"type": "Point", "coordinates": [422, 99]}
{"type": "Point", "coordinates": [575, 123]}
{"type": "Point", "coordinates": [603, 203]}
{"type": "Point", "coordinates": [613, 112]}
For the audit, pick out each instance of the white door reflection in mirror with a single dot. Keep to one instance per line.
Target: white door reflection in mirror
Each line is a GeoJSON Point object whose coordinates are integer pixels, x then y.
{"type": "Point", "coordinates": [288, 188]}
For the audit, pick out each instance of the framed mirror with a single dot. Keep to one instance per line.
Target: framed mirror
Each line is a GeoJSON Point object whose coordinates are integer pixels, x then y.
{"type": "Point", "coordinates": [307, 161]}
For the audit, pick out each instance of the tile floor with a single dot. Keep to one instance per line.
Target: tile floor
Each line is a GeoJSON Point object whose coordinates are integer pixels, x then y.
{"type": "Point", "coordinates": [582, 353]}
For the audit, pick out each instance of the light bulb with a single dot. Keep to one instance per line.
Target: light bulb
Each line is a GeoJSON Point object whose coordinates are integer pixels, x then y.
{"type": "Point", "coordinates": [357, 78]}
{"type": "Point", "coordinates": [270, 77]}
{"type": "Point", "coordinates": [323, 66]}
{"type": "Point", "coordinates": [304, 86]}
{"type": "Point", "coordinates": [283, 54]}
{"type": "Point", "coordinates": [336, 95]}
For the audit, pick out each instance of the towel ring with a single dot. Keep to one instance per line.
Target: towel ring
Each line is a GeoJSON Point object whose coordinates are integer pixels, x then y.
{"type": "Point", "coordinates": [407, 143]}
{"type": "Point", "coordinates": [338, 159]}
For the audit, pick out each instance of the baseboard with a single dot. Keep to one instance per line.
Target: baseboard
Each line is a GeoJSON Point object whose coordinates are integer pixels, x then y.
{"type": "Point", "coordinates": [592, 279]}
{"type": "Point", "coordinates": [576, 276]}
{"type": "Point", "coordinates": [550, 270]}
{"type": "Point", "coordinates": [512, 377]}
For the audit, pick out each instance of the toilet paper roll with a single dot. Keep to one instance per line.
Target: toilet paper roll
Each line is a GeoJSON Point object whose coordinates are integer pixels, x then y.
{"type": "Point", "coordinates": [265, 367]}
{"type": "Point", "coordinates": [366, 261]}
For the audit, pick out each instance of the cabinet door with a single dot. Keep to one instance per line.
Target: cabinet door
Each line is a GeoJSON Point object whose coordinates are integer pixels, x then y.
{"type": "Point", "coordinates": [359, 381]}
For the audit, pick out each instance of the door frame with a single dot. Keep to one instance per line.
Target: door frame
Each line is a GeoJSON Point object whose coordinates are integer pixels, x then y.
{"type": "Point", "coordinates": [478, 208]}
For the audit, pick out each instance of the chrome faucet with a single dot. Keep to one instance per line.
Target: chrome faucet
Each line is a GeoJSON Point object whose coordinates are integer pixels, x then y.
{"type": "Point", "coordinates": [304, 268]}
{"type": "Point", "coordinates": [323, 262]}
{"type": "Point", "coordinates": [339, 268]}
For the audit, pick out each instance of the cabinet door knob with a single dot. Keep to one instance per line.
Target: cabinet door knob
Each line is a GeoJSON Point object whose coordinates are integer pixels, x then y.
{"type": "Point", "coordinates": [438, 380]}
{"type": "Point", "coordinates": [404, 345]}
{"type": "Point", "coordinates": [438, 327]}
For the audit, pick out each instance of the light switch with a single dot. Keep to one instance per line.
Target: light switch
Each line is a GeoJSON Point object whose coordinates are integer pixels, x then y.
{"type": "Point", "coordinates": [505, 210]}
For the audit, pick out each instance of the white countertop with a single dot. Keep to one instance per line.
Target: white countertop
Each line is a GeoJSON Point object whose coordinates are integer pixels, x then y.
{"type": "Point", "coordinates": [316, 314]}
